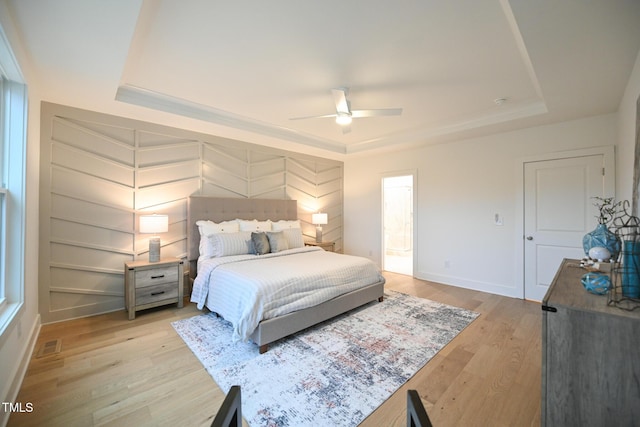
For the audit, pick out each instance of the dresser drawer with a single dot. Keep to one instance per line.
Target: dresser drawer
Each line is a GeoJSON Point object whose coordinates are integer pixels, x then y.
{"type": "Point", "coordinates": [156, 276]}
{"type": "Point", "coordinates": [150, 294]}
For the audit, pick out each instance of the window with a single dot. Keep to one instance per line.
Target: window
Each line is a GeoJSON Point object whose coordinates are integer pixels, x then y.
{"type": "Point", "coordinates": [3, 198]}
{"type": "Point", "coordinates": [13, 142]}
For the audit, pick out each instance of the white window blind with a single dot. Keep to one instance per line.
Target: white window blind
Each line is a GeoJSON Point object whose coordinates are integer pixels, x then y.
{"type": "Point", "coordinates": [13, 142]}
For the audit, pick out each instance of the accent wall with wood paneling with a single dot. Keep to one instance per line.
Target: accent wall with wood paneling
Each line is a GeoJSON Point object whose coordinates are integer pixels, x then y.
{"type": "Point", "coordinates": [99, 172]}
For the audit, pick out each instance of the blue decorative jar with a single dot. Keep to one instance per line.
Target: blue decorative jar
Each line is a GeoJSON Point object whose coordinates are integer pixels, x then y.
{"type": "Point", "coordinates": [596, 283]}
{"type": "Point", "coordinates": [631, 269]}
{"type": "Point", "coordinates": [602, 237]}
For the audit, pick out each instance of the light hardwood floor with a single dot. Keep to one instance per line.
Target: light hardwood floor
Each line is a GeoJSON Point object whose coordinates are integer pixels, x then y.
{"type": "Point", "coordinates": [112, 371]}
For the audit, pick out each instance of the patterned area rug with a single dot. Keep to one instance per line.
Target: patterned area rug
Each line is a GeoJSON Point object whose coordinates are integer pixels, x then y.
{"type": "Point", "coordinates": [333, 374]}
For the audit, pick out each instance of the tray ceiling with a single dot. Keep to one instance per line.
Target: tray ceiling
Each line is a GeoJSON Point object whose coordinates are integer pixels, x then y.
{"type": "Point", "coordinates": [457, 68]}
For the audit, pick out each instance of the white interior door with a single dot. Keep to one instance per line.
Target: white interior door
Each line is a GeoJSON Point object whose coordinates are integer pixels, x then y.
{"type": "Point", "coordinates": [558, 212]}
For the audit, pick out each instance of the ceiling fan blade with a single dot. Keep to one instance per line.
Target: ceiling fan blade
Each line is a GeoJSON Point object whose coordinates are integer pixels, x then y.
{"type": "Point", "coordinates": [313, 117]}
{"type": "Point", "coordinates": [340, 98]}
{"type": "Point", "coordinates": [344, 114]}
{"type": "Point", "coordinates": [376, 113]}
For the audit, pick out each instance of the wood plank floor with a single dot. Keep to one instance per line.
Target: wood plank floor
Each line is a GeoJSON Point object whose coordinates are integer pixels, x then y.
{"type": "Point", "coordinates": [112, 371]}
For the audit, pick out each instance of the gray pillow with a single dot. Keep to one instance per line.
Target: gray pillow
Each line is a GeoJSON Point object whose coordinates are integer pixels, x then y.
{"type": "Point", "coordinates": [277, 241]}
{"type": "Point", "coordinates": [260, 242]}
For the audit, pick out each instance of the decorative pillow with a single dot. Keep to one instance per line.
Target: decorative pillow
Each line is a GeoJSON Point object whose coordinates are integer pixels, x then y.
{"type": "Point", "coordinates": [227, 244]}
{"type": "Point", "coordinates": [285, 225]}
{"type": "Point", "coordinates": [209, 228]}
{"type": "Point", "coordinates": [277, 241]}
{"type": "Point", "coordinates": [294, 237]}
{"type": "Point", "coordinates": [260, 242]}
{"type": "Point", "coordinates": [254, 225]}
{"type": "Point", "coordinates": [206, 247]}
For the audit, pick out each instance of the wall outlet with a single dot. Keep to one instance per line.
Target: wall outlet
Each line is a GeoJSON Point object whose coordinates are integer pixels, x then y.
{"type": "Point", "coordinates": [447, 263]}
{"type": "Point", "coordinates": [498, 219]}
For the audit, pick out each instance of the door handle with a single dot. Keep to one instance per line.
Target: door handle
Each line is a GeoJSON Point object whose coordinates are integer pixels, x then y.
{"type": "Point", "coordinates": [529, 237]}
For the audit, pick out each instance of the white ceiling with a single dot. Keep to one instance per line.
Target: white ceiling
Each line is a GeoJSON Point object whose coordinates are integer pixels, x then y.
{"type": "Point", "coordinates": [253, 65]}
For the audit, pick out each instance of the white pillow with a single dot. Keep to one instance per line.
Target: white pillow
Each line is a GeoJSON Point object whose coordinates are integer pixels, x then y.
{"type": "Point", "coordinates": [294, 237]}
{"type": "Point", "coordinates": [208, 229]}
{"type": "Point", "coordinates": [227, 244]}
{"type": "Point", "coordinates": [283, 224]}
{"type": "Point", "coordinates": [254, 225]}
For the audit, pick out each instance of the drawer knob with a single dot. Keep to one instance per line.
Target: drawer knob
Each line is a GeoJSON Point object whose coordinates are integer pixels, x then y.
{"type": "Point", "coordinates": [157, 293]}
{"type": "Point", "coordinates": [157, 277]}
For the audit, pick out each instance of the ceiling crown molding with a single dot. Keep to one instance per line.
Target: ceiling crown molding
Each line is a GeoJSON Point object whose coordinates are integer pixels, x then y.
{"type": "Point", "coordinates": [169, 104]}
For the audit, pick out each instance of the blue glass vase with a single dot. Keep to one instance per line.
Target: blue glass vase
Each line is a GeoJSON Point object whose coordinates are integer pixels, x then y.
{"type": "Point", "coordinates": [631, 270]}
{"type": "Point", "coordinates": [602, 237]}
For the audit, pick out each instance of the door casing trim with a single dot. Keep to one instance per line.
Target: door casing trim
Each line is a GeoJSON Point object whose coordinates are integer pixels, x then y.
{"type": "Point", "coordinates": [391, 174]}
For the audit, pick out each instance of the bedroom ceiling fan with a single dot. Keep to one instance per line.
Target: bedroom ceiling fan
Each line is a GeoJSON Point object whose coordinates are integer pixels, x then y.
{"type": "Point", "coordinates": [344, 114]}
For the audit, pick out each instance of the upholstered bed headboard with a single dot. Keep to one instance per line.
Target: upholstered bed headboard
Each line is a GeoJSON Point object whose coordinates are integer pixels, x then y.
{"type": "Point", "coordinates": [218, 209]}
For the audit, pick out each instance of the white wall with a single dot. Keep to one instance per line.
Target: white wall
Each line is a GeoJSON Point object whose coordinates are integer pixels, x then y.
{"type": "Point", "coordinates": [461, 186]}
{"type": "Point", "coordinates": [17, 341]}
{"type": "Point", "coordinates": [627, 134]}
{"type": "Point", "coordinates": [99, 172]}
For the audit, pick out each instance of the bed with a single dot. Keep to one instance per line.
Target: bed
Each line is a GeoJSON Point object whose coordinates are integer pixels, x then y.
{"type": "Point", "coordinates": [230, 269]}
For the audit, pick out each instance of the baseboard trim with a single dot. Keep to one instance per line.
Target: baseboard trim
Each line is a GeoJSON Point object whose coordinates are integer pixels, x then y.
{"type": "Point", "coordinates": [469, 284]}
{"type": "Point", "coordinates": [25, 358]}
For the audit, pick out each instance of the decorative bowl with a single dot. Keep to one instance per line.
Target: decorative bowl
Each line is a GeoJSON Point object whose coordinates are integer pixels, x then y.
{"type": "Point", "coordinates": [596, 283]}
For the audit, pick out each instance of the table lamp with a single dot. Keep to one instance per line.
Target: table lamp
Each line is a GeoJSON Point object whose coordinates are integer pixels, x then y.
{"type": "Point", "coordinates": [154, 224]}
{"type": "Point", "coordinates": [319, 219]}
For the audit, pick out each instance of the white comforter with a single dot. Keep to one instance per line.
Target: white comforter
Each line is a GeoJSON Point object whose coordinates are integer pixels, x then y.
{"type": "Point", "coordinates": [245, 289]}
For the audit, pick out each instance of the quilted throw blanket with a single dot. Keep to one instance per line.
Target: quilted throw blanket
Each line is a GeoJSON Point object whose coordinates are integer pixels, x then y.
{"type": "Point", "coordinates": [245, 289]}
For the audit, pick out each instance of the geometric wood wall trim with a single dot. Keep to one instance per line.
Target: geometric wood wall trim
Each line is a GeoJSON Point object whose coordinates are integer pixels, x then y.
{"type": "Point", "coordinates": [99, 172]}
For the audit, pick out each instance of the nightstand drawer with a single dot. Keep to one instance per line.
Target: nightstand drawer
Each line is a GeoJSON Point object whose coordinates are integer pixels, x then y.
{"type": "Point", "coordinates": [152, 284]}
{"type": "Point", "coordinates": [150, 294]}
{"type": "Point", "coordinates": [156, 276]}
{"type": "Point", "coordinates": [327, 246]}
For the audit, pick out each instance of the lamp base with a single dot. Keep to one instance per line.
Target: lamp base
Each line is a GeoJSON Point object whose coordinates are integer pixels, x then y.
{"type": "Point", "coordinates": [154, 249]}
{"type": "Point", "coordinates": [318, 234]}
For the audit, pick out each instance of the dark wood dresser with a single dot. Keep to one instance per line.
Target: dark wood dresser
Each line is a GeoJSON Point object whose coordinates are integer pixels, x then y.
{"type": "Point", "coordinates": [590, 356]}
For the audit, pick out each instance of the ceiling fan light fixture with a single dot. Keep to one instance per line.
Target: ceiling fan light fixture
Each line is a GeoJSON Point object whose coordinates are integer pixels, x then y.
{"type": "Point", "coordinates": [343, 119]}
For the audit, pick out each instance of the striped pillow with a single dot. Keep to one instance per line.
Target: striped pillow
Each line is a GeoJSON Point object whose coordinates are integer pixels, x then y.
{"type": "Point", "coordinates": [227, 244]}
{"type": "Point", "coordinates": [209, 228]}
{"type": "Point", "coordinates": [294, 237]}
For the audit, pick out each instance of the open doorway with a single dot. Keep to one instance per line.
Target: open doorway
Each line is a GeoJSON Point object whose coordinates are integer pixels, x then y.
{"type": "Point", "coordinates": [397, 224]}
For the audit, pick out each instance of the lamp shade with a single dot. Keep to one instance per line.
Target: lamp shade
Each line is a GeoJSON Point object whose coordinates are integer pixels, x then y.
{"type": "Point", "coordinates": [319, 218]}
{"type": "Point", "coordinates": [154, 223]}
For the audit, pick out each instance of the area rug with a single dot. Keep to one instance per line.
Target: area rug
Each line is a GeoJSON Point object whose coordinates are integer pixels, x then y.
{"type": "Point", "coordinates": [333, 374]}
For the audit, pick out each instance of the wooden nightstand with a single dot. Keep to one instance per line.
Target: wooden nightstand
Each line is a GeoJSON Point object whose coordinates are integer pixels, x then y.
{"type": "Point", "coordinates": [151, 284]}
{"type": "Point", "coordinates": [327, 246]}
